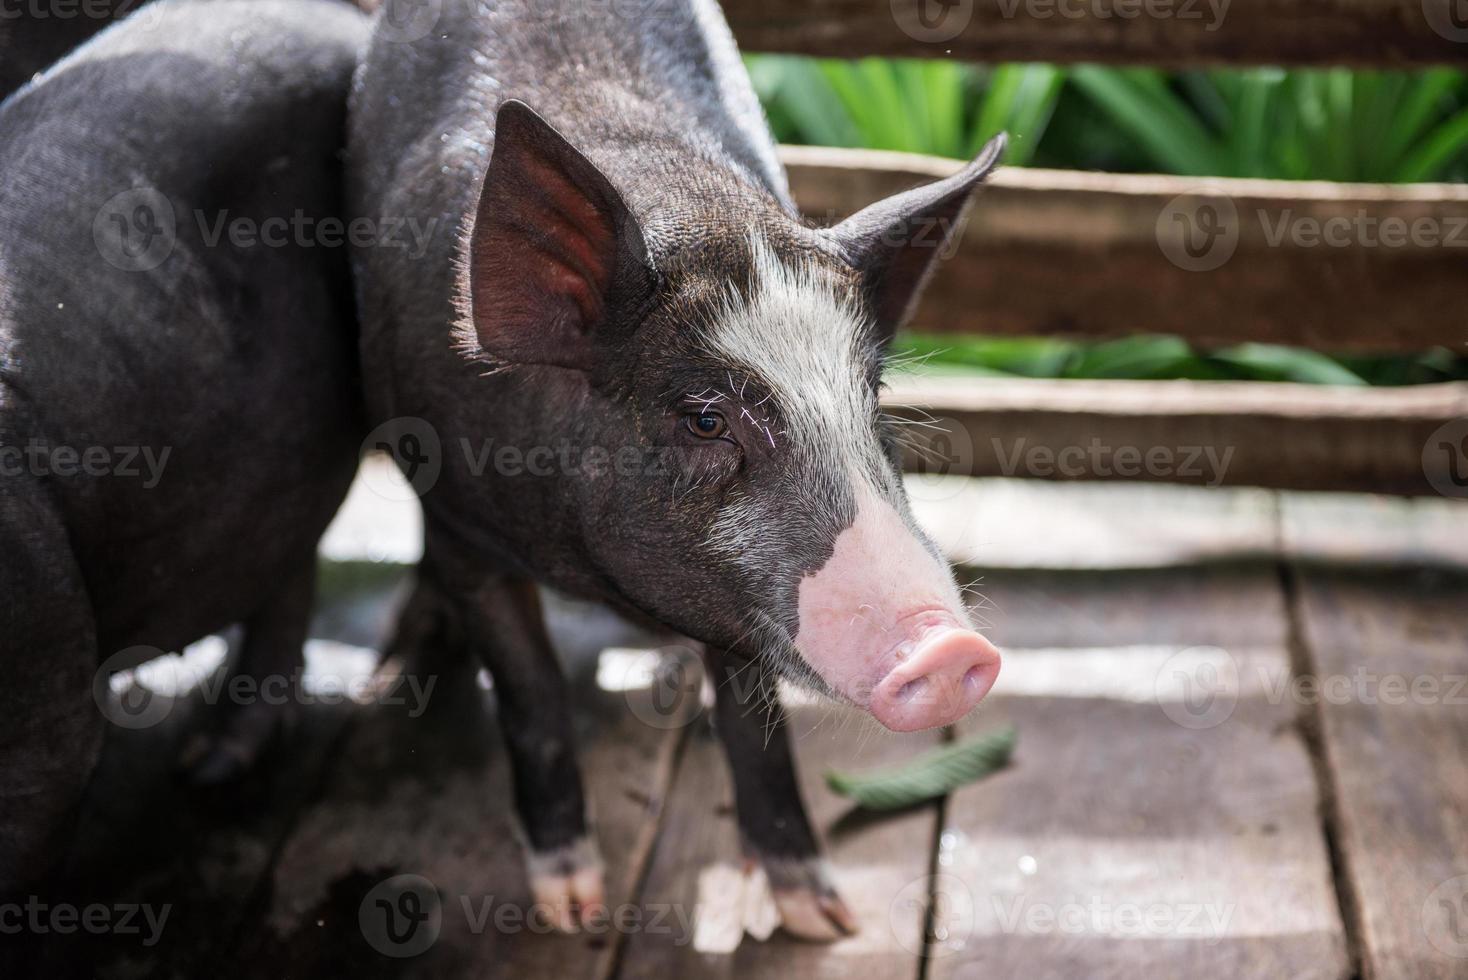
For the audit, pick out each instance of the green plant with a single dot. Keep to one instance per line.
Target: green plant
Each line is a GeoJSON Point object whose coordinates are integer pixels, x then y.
{"type": "Point", "coordinates": [1333, 124]}
{"type": "Point", "coordinates": [1156, 358]}
{"type": "Point", "coordinates": [1310, 124]}
{"type": "Point", "coordinates": [918, 106]}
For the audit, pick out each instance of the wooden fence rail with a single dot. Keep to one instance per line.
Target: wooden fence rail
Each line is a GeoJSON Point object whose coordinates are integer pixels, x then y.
{"type": "Point", "coordinates": [1284, 436]}
{"type": "Point", "coordinates": [1170, 33]}
{"type": "Point", "coordinates": [1335, 267]}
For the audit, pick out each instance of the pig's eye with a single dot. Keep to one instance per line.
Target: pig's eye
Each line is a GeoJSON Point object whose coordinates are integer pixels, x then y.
{"type": "Point", "coordinates": [708, 425]}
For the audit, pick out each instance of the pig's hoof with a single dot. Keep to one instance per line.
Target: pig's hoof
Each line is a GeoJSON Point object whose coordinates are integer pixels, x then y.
{"type": "Point", "coordinates": [214, 759]}
{"type": "Point", "coordinates": [226, 754]}
{"type": "Point", "coordinates": [809, 907]}
{"type": "Point", "coordinates": [567, 885]}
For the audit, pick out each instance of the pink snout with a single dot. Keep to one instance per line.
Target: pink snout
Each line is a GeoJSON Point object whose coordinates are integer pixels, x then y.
{"type": "Point", "coordinates": [939, 680]}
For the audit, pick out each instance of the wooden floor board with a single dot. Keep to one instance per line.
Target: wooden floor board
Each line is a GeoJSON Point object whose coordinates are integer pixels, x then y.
{"type": "Point", "coordinates": [1144, 828]}
{"type": "Point", "coordinates": [880, 867]}
{"type": "Point", "coordinates": [1391, 656]}
{"type": "Point", "coordinates": [431, 797]}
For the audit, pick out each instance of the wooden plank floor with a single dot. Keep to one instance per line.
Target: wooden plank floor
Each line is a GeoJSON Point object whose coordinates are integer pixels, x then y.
{"type": "Point", "coordinates": [1179, 803]}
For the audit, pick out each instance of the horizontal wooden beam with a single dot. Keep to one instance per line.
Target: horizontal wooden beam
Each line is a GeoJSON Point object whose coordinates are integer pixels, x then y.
{"type": "Point", "coordinates": [1180, 33]}
{"type": "Point", "coordinates": [1283, 436]}
{"type": "Point", "coordinates": [1335, 267]}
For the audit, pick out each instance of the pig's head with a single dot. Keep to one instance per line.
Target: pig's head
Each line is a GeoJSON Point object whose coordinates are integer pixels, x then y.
{"type": "Point", "coordinates": [727, 361]}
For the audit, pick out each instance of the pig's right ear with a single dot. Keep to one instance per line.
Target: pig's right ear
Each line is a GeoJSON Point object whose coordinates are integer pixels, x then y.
{"type": "Point", "coordinates": [555, 258]}
{"type": "Point", "coordinates": [895, 243]}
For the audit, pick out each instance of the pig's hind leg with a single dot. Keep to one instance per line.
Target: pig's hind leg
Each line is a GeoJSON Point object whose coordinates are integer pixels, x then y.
{"type": "Point", "coordinates": [241, 728]}
{"type": "Point", "coordinates": [505, 625]}
{"type": "Point", "coordinates": [773, 823]}
{"type": "Point", "coordinates": [50, 725]}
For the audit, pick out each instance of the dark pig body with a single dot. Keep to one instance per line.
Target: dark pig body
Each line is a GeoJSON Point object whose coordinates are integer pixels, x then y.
{"type": "Point", "coordinates": [179, 410]}
{"type": "Point", "coordinates": [633, 282]}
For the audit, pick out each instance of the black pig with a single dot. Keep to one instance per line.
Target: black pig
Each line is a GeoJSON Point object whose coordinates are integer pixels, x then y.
{"type": "Point", "coordinates": [179, 402]}
{"type": "Point", "coordinates": [633, 280]}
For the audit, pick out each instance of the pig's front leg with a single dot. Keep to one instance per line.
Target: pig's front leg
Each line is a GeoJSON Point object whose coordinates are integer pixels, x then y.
{"type": "Point", "coordinates": [506, 628]}
{"type": "Point", "coordinates": [772, 820]}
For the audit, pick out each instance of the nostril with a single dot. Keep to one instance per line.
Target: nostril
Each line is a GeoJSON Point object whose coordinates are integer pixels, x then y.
{"type": "Point", "coordinates": [973, 681]}
{"type": "Point", "coordinates": [910, 690]}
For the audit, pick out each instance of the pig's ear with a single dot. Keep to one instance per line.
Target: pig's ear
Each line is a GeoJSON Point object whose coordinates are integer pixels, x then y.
{"type": "Point", "coordinates": [555, 258]}
{"type": "Point", "coordinates": [894, 243]}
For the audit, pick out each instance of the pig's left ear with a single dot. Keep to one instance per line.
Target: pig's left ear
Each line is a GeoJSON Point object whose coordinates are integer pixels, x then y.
{"type": "Point", "coordinates": [894, 243]}
{"type": "Point", "coordinates": [556, 261]}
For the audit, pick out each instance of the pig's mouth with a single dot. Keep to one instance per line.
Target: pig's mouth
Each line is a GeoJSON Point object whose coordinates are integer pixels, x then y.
{"type": "Point", "coordinates": [935, 673]}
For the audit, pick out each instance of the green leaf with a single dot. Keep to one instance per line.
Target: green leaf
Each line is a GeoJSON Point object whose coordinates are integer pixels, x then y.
{"type": "Point", "coordinates": [1139, 103]}
{"type": "Point", "coordinates": [1268, 362]}
{"type": "Point", "coordinates": [794, 90]}
{"type": "Point", "coordinates": [1020, 99]}
{"type": "Point", "coordinates": [932, 774]}
{"type": "Point", "coordinates": [1134, 357]}
{"type": "Point", "coordinates": [1412, 114]}
{"type": "Point", "coordinates": [1444, 145]}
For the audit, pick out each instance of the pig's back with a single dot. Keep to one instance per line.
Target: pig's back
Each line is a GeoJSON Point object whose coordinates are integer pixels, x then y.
{"type": "Point", "coordinates": [655, 96]}
{"type": "Point", "coordinates": [237, 361]}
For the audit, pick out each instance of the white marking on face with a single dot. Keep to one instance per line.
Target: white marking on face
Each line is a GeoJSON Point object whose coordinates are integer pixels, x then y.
{"type": "Point", "coordinates": [800, 334]}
